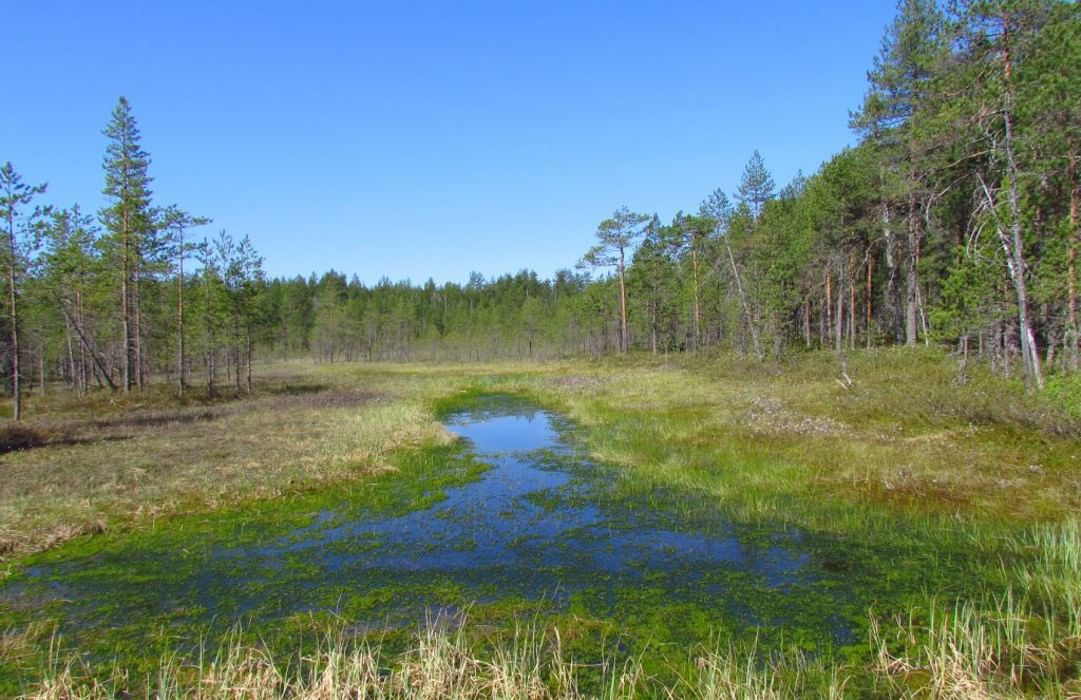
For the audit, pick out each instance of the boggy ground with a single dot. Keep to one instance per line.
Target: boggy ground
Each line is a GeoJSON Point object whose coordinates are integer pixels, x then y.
{"type": "Point", "coordinates": [896, 457]}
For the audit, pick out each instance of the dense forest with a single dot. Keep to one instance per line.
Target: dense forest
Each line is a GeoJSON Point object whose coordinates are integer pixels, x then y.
{"type": "Point", "coordinates": [954, 221]}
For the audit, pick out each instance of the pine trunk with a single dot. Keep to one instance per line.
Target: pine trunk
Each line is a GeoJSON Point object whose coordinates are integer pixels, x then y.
{"type": "Point", "coordinates": [13, 317]}
{"type": "Point", "coordinates": [1074, 236]}
{"type": "Point", "coordinates": [912, 269]}
{"type": "Point", "coordinates": [625, 336]}
{"type": "Point", "coordinates": [1029, 351]}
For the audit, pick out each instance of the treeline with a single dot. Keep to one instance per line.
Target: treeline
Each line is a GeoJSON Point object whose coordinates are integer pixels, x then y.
{"type": "Point", "coordinates": [954, 221]}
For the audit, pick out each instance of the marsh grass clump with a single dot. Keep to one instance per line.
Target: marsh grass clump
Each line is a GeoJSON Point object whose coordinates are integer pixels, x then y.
{"type": "Point", "coordinates": [445, 662]}
{"type": "Point", "coordinates": [1024, 642]}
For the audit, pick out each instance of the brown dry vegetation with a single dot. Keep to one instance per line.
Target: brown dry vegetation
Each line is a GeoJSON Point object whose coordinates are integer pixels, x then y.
{"type": "Point", "coordinates": [111, 460]}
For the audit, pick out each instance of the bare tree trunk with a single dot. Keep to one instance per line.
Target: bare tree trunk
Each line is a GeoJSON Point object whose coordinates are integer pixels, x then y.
{"type": "Point", "coordinates": [748, 318]}
{"type": "Point", "coordinates": [98, 362]}
{"type": "Point", "coordinates": [41, 368]}
{"type": "Point", "coordinates": [697, 305]}
{"type": "Point", "coordinates": [248, 353]}
{"type": "Point", "coordinates": [73, 374]}
{"type": "Point", "coordinates": [829, 301]}
{"type": "Point", "coordinates": [83, 347]}
{"type": "Point", "coordinates": [924, 328]}
{"type": "Point", "coordinates": [653, 326]}
{"type": "Point", "coordinates": [852, 314]}
{"type": "Point", "coordinates": [13, 317]}
{"type": "Point", "coordinates": [892, 295]}
{"type": "Point", "coordinates": [911, 269]}
{"type": "Point", "coordinates": [209, 343]}
{"type": "Point", "coordinates": [964, 360]}
{"type": "Point", "coordinates": [181, 381]}
{"type": "Point", "coordinates": [1074, 236]}
{"type": "Point", "coordinates": [807, 323]}
{"type": "Point", "coordinates": [823, 320]}
{"type": "Point", "coordinates": [125, 310]}
{"type": "Point", "coordinates": [625, 336]}
{"type": "Point", "coordinates": [868, 302]}
{"type": "Point", "coordinates": [236, 352]}
{"type": "Point", "coordinates": [838, 331]}
{"type": "Point", "coordinates": [1029, 352]}
{"type": "Point", "coordinates": [137, 303]}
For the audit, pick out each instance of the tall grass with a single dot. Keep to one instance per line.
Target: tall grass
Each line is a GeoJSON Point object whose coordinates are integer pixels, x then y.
{"type": "Point", "coordinates": [444, 665]}
{"type": "Point", "coordinates": [1024, 642]}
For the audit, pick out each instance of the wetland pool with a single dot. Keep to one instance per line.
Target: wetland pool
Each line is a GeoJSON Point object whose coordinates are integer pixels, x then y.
{"type": "Point", "coordinates": [511, 520]}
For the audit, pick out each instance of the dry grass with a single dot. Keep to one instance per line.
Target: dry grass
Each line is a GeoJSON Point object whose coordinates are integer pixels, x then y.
{"type": "Point", "coordinates": [901, 433]}
{"type": "Point", "coordinates": [443, 664]}
{"type": "Point", "coordinates": [107, 465]}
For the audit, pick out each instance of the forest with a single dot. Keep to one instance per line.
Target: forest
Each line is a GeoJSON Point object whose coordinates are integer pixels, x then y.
{"type": "Point", "coordinates": [953, 222]}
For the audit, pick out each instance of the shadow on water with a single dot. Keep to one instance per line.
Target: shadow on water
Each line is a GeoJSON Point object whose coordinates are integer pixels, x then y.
{"type": "Point", "coordinates": [542, 526]}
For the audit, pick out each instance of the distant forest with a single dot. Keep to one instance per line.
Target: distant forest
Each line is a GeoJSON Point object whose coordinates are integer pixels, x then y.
{"type": "Point", "coordinates": [954, 221]}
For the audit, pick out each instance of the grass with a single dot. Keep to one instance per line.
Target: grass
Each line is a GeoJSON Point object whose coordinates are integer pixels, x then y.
{"type": "Point", "coordinates": [110, 462]}
{"type": "Point", "coordinates": [889, 457]}
{"type": "Point", "coordinates": [1021, 642]}
{"type": "Point", "coordinates": [443, 663]}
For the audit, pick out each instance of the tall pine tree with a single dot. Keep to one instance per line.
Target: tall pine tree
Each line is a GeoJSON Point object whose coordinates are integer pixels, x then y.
{"type": "Point", "coordinates": [129, 221]}
{"type": "Point", "coordinates": [18, 230]}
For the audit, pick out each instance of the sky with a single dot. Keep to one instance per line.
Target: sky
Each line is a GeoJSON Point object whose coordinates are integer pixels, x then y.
{"type": "Point", "coordinates": [418, 140]}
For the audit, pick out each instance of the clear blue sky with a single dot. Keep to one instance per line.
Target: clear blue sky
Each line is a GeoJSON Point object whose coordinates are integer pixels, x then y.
{"type": "Point", "coordinates": [413, 139]}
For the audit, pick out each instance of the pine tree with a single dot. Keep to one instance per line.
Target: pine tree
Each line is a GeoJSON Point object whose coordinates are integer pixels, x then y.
{"type": "Point", "coordinates": [19, 239]}
{"type": "Point", "coordinates": [618, 236]}
{"type": "Point", "coordinates": [756, 187]}
{"type": "Point", "coordinates": [912, 51]}
{"type": "Point", "coordinates": [174, 222]}
{"type": "Point", "coordinates": [129, 221]}
{"type": "Point", "coordinates": [70, 272]}
{"type": "Point", "coordinates": [995, 36]}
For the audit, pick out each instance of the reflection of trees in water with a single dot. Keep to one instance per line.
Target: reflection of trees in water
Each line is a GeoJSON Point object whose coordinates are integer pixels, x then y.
{"type": "Point", "coordinates": [495, 406]}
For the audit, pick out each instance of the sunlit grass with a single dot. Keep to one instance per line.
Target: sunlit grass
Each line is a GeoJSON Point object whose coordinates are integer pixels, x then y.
{"type": "Point", "coordinates": [443, 662]}
{"type": "Point", "coordinates": [1020, 642]}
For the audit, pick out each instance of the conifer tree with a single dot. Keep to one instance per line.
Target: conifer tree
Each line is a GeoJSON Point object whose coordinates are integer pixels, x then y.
{"type": "Point", "coordinates": [756, 187]}
{"type": "Point", "coordinates": [19, 238]}
{"type": "Point", "coordinates": [71, 270]}
{"type": "Point", "coordinates": [129, 221]}
{"type": "Point", "coordinates": [618, 236]}
{"type": "Point", "coordinates": [175, 222]}
{"type": "Point", "coordinates": [900, 82]}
